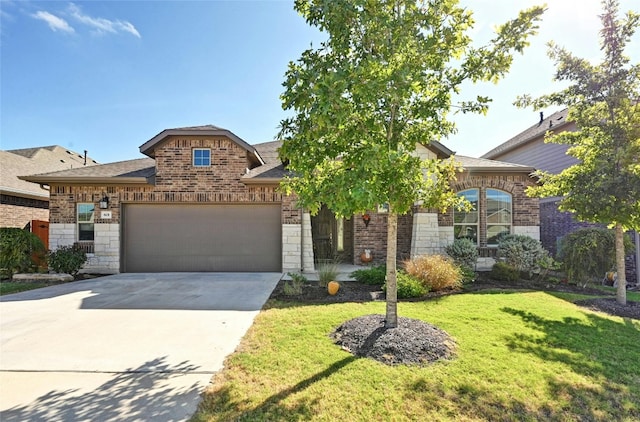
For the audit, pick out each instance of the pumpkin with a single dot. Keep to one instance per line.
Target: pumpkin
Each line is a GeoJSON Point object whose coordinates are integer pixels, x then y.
{"type": "Point", "coordinates": [333, 287]}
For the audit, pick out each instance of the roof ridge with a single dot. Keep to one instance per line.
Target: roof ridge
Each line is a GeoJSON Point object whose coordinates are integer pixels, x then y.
{"type": "Point", "coordinates": [531, 132]}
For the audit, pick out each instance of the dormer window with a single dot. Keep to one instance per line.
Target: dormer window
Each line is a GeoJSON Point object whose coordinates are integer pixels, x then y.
{"type": "Point", "coordinates": [201, 157]}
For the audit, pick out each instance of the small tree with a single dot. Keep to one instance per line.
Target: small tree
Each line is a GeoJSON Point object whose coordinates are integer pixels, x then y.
{"type": "Point", "coordinates": [588, 253]}
{"type": "Point", "coordinates": [381, 83]}
{"type": "Point", "coordinates": [604, 102]}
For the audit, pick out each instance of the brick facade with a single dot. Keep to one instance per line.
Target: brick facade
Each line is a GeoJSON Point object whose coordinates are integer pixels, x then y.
{"type": "Point", "coordinates": [176, 181]}
{"type": "Point", "coordinates": [525, 218]}
{"type": "Point", "coordinates": [18, 212]}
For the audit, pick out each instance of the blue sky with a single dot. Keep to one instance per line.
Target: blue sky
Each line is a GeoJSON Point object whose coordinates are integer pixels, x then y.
{"type": "Point", "coordinates": [106, 76]}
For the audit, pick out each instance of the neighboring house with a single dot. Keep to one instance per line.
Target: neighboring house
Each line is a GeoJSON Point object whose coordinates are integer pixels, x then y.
{"type": "Point", "coordinates": [22, 201]}
{"type": "Point", "coordinates": [205, 200]}
{"type": "Point", "coordinates": [528, 148]}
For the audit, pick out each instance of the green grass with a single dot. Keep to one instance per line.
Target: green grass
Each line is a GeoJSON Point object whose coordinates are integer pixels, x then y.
{"type": "Point", "coordinates": [523, 356]}
{"type": "Point", "coordinates": [8, 287]}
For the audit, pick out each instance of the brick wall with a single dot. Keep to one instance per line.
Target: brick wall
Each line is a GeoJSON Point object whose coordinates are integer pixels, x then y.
{"type": "Point", "coordinates": [18, 212]}
{"type": "Point", "coordinates": [555, 224]}
{"type": "Point", "coordinates": [526, 211]}
{"type": "Point", "coordinates": [374, 237]}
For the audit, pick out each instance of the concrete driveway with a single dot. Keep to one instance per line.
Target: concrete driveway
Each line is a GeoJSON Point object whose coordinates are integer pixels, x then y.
{"type": "Point", "coordinates": [134, 347]}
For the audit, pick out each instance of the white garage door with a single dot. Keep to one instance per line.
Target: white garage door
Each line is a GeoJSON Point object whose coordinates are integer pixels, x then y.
{"type": "Point", "coordinates": [163, 238]}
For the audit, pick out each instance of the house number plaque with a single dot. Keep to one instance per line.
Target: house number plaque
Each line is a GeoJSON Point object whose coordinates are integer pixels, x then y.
{"type": "Point", "coordinates": [106, 215]}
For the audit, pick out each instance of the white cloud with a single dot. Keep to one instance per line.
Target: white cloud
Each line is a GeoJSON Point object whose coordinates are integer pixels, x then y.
{"type": "Point", "coordinates": [102, 25]}
{"type": "Point", "coordinates": [54, 22]}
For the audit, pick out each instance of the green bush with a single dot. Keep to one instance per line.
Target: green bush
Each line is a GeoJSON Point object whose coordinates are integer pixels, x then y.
{"type": "Point", "coordinates": [468, 275]}
{"type": "Point", "coordinates": [521, 252]}
{"type": "Point", "coordinates": [374, 276]}
{"type": "Point", "coordinates": [464, 252]}
{"type": "Point", "coordinates": [502, 271]}
{"type": "Point", "coordinates": [67, 259]}
{"type": "Point", "coordinates": [587, 254]}
{"type": "Point", "coordinates": [408, 286]}
{"type": "Point", "coordinates": [293, 287]}
{"type": "Point", "coordinates": [20, 251]}
{"type": "Point", "coordinates": [436, 272]}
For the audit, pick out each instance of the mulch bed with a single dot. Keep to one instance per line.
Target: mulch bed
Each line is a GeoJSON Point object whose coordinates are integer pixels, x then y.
{"type": "Point", "coordinates": [415, 342]}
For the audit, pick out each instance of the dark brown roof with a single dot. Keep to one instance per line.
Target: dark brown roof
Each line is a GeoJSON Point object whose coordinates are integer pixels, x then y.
{"type": "Point", "coordinates": [556, 120]}
{"type": "Point", "coordinates": [122, 172]}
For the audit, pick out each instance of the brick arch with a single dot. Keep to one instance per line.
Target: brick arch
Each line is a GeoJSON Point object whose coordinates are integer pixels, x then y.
{"type": "Point", "coordinates": [481, 182]}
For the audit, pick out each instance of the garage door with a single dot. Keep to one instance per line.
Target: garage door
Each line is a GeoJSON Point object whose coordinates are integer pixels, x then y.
{"type": "Point", "coordinates": [159, 238]}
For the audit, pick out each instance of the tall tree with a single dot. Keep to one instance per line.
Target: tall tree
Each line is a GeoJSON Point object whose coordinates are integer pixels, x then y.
{"type": "Point", "coordinates": [381, 83]}
{"type": "Point", "coordinates": [604, 102]}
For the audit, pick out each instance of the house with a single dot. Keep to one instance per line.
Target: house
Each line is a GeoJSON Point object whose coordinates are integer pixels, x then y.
{"type": "Point", "coordinates": [528, 148]}
{"type": "Point", "coordinates": [22, 202]}
{"type": "Point", "coordinates": [205, 200]}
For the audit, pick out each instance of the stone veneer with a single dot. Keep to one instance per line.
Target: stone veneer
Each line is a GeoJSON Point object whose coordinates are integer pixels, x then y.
{"type": "Point", "coordinates": [425, 238]}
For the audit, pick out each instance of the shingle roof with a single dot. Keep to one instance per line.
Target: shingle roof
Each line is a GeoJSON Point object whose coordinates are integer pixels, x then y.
{"type": "Point", "coordinates": [130, 171]}
{"type": "Point", "coordinates": [557, 119]}
{"type": "Point", "coordinates": [269, 151]}
{"type": "Point", "coordinates": [26, 161]}
{"type": "Point", "coordinates": [482, 164]}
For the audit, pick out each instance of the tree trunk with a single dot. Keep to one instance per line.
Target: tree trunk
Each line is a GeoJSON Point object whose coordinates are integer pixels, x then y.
{"type": "Point", "coordinates": [621, 293]}
{"type": "Point", "coordinates": [391, 320]}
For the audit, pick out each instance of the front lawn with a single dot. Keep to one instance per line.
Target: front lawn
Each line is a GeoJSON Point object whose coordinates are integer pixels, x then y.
{"type": "Point", "coordinates": [520, 356]}
{"type": "Point", "coordinates": [8, 287]}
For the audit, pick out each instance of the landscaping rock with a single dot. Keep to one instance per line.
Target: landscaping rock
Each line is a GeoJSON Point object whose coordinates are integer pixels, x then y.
{"type": "Point", "coordinates": [42, 278]}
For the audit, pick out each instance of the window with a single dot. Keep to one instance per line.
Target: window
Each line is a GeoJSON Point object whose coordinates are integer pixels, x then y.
{"type": "Point", "coordinates": [498, 215]}
{"type": "Point", "coordinates": [201, 157]}
{"type": "Point", "coordinates": [85, 221]}
{"type": "Point", "coordinates": [465, 224]}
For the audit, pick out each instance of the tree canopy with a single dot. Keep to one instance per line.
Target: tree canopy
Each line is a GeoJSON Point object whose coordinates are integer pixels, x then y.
{"type": "Point", "coordinates": [381, 83]}
{"type": "Point", "coordinates": [604, 102]}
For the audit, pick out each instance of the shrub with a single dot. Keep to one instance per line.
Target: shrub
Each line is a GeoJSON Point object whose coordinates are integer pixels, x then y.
{"type": "Point", "coordinates": [20, 251]}
{"type": "Point", "coordinates": [436, 272]}
{"type": "Point", "coordinates": [521, 252]}
{"type": "Point", "coordinates": [468, 275]}
{"type": "Point", "coordinates": [67, 259]}
{"type": "Point", "coordinates": [293, 287]}
{"type": "Point", "coordinates": [588, 253]}
{"type": "Point", "coordinates": [502, 271]}
{"type": "Point", "coordinates": [374, 275]}
{"type": "Point", "coordinates": [464, 252]}
{"type": "Point", "coordinates": [327, 271]}
{"type": "Point", "coordinates": [408, 286]}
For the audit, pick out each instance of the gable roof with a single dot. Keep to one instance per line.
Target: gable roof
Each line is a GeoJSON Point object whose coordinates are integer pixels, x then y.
{"type": "Point", "coordinates": [140, 171]}
{"type": "Point", "coordinates": [20, 162]}
{"type": "Point", "coordinates": [555, 121]}
{"type": "Point", "coordinates": [484, 165]}
{"type": "Point", "coordinates": [148, 148]}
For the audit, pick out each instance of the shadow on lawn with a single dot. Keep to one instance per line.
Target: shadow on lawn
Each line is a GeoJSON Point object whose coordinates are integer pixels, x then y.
{"type": "Point", "coordinates": [221, 400]}
{"type": "Point", "coordinates": [600, 348]}
{"type": "Point", "coordinates": [138, 394]}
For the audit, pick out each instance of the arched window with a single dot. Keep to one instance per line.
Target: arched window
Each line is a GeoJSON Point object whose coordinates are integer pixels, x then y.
{"type": "Point", "coordinates": [465, 223]}
{"type": "Point", "coordinates": [499, 213]}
